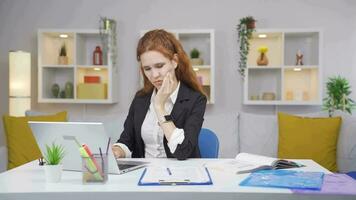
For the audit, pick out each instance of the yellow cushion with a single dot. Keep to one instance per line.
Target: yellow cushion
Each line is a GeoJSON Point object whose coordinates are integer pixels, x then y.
{"type": "Point", "coordinates": [309, 138]}
{"type": "Point", "coordinates": [22, 146]}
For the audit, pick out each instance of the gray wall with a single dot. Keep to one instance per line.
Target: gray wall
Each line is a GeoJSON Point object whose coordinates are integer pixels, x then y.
{"type": "Point", "coordinates": [20, 20]}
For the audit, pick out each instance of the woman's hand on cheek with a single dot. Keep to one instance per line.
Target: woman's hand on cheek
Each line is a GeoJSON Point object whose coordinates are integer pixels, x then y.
{"type": "Point", "coordinates": [164, 92]}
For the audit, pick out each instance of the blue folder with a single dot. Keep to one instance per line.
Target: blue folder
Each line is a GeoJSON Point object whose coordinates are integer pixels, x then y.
{"type": "Point", "coordinates": [285, 179]}
{"type": "Point", "coordinates": [183, 182]}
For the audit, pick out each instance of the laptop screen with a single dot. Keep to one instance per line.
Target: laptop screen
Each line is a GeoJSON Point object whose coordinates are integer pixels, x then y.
{"type": "Point", "coordinates": [91, 134]}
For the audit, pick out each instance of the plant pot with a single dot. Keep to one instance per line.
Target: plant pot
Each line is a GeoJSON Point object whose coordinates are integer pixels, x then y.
{"type": "Point", "coordinates": [251, 25]}
{"type": "Point", "coordinates": [63, 60]}
{"type": "Point", "coordinates": [53, 173]}
{"type": "Point", "coordinates": [262, 60]}
{"type": "Point", "coordinates": [196, 61]}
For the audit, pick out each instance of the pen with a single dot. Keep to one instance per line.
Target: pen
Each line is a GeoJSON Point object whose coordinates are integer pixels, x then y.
{"type": "Point", "coordinates": [107, 147]}
{"type": "Point", "coordinates": [102, 159]}
{"type": "Point", "coordinates": [169, 171]}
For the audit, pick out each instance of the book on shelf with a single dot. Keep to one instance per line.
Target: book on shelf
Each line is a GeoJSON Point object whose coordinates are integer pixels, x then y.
{"type": "Point", "coordinates": [91, 79]}
{"type": "Point", "coordinates": [248, 163]}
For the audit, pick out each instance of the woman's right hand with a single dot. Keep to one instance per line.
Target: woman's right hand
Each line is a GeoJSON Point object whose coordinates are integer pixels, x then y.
{"type": "Point", "coordinates": [118, 152]}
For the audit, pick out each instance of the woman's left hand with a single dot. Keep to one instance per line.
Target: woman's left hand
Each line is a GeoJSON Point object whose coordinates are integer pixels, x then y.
{"type": "Point", "coordinates": [167, 88]}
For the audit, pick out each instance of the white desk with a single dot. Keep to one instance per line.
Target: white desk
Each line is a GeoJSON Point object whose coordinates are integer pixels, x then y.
{"type": "Point", "coordinates": [28, 182]}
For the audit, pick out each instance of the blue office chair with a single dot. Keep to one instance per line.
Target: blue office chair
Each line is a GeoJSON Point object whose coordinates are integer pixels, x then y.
{"type": "Point", "coordinates": [208, 144]}
{"type": "Point", "coordinates": [352, 174]}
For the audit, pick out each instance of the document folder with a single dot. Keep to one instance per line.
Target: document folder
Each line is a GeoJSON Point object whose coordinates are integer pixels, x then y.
{"type": "Point", "coordinates": [175, 176]}
{"type": "Point", "coordinates": [285, 179]}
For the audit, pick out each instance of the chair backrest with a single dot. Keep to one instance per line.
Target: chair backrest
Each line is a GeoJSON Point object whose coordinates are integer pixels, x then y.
{"type": "Point", "coordinates": [352, 174]}
{"type": "Point", "coordinates": [208, 144]}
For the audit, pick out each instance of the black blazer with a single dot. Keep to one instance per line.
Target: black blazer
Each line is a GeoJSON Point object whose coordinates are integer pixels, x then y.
{"type": "Point", "coordinates": [187, 113]}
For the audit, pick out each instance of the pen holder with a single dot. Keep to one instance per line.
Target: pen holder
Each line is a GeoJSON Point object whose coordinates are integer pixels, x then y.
{"type": "Point", "coordinates": [95, 169]}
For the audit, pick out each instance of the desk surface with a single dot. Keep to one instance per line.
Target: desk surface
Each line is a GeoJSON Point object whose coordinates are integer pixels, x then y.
{"type": "Point", "coordinates": [28, 182]}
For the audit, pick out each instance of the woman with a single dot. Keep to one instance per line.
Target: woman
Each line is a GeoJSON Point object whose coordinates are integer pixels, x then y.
{"type": "Point", "coordinates": [166, 115]}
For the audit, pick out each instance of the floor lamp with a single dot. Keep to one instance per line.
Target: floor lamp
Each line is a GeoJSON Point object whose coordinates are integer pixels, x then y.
{"type": "Point", "coordinates": [19, 82]}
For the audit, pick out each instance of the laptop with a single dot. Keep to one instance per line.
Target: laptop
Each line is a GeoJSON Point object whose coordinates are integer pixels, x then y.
{"type": "Point", "coordinates": [92, 134]}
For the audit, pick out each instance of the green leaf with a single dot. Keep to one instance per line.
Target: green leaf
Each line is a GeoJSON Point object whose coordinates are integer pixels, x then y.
{"type": "Point", "coordinates": [54, 154]}
{"type": "Point", "coordinates": [338, 91]}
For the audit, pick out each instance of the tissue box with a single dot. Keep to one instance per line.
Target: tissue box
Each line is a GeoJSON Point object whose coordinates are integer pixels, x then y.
{"type": "Point", "coordinates": [92, 91]}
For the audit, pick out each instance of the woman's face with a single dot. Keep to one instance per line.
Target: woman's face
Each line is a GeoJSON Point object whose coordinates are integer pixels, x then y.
{"type": "Point", "coordinates": [155, 67]}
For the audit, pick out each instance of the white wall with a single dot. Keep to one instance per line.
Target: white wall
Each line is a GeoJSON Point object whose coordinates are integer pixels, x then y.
{"type": "Point", "coordinates": [20, 20]}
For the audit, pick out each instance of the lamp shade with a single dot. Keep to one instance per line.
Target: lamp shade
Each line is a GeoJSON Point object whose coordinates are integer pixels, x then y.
{"type": "Point", "coordinates": [19, 82]}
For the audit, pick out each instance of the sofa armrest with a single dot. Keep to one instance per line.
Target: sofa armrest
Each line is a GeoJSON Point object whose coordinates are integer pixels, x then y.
{"type": "Point", "coordinates": [3, 160]}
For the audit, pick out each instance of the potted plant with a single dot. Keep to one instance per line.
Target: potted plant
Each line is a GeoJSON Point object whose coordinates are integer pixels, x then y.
{"type": "Point", "coordinates": [53, 167]}
{"type": "Point", "coordinates": [63, 59]}
{"type": "Point", "coordinates": [194, 57]}
{"type": "Point", "coordinates": [338, 91]}
{"type": "Point", "coordinates": [245, 29]}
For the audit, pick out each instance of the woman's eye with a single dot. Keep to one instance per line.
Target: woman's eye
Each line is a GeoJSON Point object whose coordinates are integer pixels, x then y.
{"type": "Point", "coordinates": [147, 68]}
{"type": "Point", "coordinates": [159, 65]}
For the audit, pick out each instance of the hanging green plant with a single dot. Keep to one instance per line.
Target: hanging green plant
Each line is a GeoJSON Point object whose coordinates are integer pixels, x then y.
{"type": "Point", "coordinates": [245, 29]}
{"type": "Point", "coordinates": [338, 91]}
{"type": "Point", "coordinates": [107, 28]}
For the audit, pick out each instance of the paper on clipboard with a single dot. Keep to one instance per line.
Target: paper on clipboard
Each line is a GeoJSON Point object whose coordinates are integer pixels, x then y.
{"type": "Point", "coordinates": [179, 175]}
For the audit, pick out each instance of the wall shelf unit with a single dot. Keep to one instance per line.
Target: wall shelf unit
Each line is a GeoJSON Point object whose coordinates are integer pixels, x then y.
{"type": "Point", "coordinates": [204, 41]}
{"type": "Point", "coordinates": [282, 81]}
{"type": "Point", "coordinates": [92, 84]}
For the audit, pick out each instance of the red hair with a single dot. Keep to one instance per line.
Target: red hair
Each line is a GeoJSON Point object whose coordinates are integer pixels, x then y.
{"type": "Point", "coordinates": [166, 43]}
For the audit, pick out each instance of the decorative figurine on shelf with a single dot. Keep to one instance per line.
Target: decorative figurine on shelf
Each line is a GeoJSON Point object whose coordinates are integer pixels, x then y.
{"type": "Point", "coordinates": [262, 59]}
{"type": "Point", "coordinates": [68, 90]}
{"type": "Point", "coordinates": [62, 94]}
{"type": "Point", "coordinates": [299, 58]}
{"type": "Point", "coordinates": [97, 56]}
{"type": "Point", "coordinates": [289, 95]}
{"type": "Point", "coordinates": [55, 90]}
{"type": "Point", "coordinates": [63, 59]}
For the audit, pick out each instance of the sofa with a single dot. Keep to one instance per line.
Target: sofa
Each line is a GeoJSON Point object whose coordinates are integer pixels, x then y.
{"type": "Point", "coordinates": [250, 133]}
{"type": "Point", "coordinates": [3, 158]}
{"type": "Point", "coordinates": [258, 134]}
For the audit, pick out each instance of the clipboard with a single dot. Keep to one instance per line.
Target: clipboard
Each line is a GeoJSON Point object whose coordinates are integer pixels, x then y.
{"type": "Point", "coordinates": [162, 182]}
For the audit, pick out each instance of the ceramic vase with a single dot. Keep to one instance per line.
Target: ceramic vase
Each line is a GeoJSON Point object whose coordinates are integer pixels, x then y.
{"type": "Point", "coordinates": [62, 94]}
{"type": "Point", "coordinates": [55, 90]}
{"type": "Point", "coordinates": [63, 60]}
{"type": "Point", "coordinates": [262, 60]}
{"type": "Point", "coordinates": [68, 89]}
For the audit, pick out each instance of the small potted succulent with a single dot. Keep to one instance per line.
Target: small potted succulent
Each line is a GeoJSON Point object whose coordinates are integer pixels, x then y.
{"type": "Point", "coordinates": [338, 91]}
{"type": "Point", "coordinates": [53, 167]}
{"type": "Point", "coordinates": [245, 29]}
{"type": "Point", "coordinates": [63, 59]}
{"type": "Point", "coordinates": [194, 57]}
